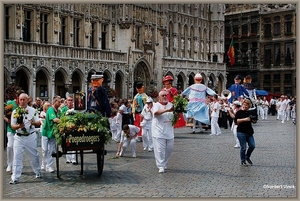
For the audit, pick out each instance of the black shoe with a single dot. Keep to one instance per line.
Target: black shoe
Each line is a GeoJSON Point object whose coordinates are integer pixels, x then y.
{"type": "Point", "coordinates": [193, 132]}
{"type": "Point", "coordinates": [13, 182]}
{"type": "Point", "coordinates": [244, 164]}
{"type": "Point", "coordinates": [249, 161]}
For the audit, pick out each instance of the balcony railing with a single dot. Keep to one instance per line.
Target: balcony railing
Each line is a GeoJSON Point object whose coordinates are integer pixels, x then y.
{"type": "Point", "coordinates": [46, 50]}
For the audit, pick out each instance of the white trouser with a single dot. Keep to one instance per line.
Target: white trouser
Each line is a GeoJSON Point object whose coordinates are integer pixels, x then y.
{"type": "Point", "coordinates": [234, 130]}
{"type": "Point", "coordinates": [71, 156]}
{"type": "Point", "coordinates": [147, 136]}
{"type": "Point", "coordinates": [119, 132]}
{"type": "Point", "coordinates": [215, 128]}
{"type": "Point", "coordinates": [199, 123]}
{"type": "Point", "coordinates": [48, 148]}
{"type": "Point", "coordinates": [288, 114]}
{"type": "Point", "coordinates": [114, 134]}
{"type": "Point", "coordinates": [10, 148]}
{"type": "Point", "coordinates": [265, 113]}
{"type": "Point", "coordinates": [162, 151]}
{"type": "Point", "coordinates": [27, 144]}
{"type": "Point", "coordinates": [282, 115]}
{"type": "Point", "coordinates": [126, 142]}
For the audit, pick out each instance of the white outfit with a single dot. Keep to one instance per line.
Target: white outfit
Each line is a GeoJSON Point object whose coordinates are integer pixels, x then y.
{"type": "Point", "coordinates": [215, 128]}
{"type": "Point", "coordinates": [265, 108]}
{"type": "Point", "coordinates": [288, 110]}
{"type": "Point", "coordinates": [119, 126]}
{"type": "Point", "coordinates": [282, 110]}
{"type": "Point", "coordinates": [126, 141]}
{"type": "Point", "coordinates": [234, 131]}
{"type": "Point", "coordinates": [163, 135]}
{"type": "Point", "coordinates": [25, 143]}
{"type": "Point", "coordinates": [113, 127]}
{"type": "Point", "coordinates": [146, 129]}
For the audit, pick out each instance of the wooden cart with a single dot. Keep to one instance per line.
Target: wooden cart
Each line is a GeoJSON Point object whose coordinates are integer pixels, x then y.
{"type": "Point", "coordinates": [82, 143]}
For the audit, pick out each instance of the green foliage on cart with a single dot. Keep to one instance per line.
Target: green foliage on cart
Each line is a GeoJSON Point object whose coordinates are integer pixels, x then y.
{"type": "Point", "coordinates": [82, 122]}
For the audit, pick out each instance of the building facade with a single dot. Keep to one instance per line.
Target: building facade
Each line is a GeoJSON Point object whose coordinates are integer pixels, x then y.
{"type": "Point", "coordinates": [265, 45]}
{"type": "Point", "coordinates": [51, 49]}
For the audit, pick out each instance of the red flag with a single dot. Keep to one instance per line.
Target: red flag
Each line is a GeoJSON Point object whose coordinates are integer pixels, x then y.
{"type": "Point", "coordinates": [230, 53]}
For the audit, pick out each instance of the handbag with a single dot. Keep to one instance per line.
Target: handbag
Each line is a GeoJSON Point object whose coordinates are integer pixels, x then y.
{"type": "Point", "coordinates": [253, 112]}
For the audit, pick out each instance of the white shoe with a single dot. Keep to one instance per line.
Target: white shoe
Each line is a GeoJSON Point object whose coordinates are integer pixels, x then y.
{"type": "Point", "coordinates": [50, 169]}
{"type": "Point", "coordinates": [236, 146]}
{"type": "Point", "coordinates": [218, 134]}
{"type": "Point", "coordinates": [150, 150]}
{"type": "Point", "coordinates": [121, 154]}
{"type": "Point", "coordinates": [212, 134]}
{"type": "Point", "coordinates": [145, 148]}
{"type": "Point", "coordinates": [8, 169]}
{"type": "Point", "coordinates": [134, 155]}
{"type": "Point", "coordinates": [42, 167]}
{"type": "Point", "coordinates": [38, 175]}
{"type": "Point", "coordinates": [161, 170]}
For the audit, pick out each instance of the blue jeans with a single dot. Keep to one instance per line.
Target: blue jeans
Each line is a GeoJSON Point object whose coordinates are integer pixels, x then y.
{"type": "Point", "coordinates": [244, 138]}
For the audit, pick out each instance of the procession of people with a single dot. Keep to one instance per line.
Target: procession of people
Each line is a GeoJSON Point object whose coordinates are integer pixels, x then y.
{"type": "Point", "coordinates": [143, 119]}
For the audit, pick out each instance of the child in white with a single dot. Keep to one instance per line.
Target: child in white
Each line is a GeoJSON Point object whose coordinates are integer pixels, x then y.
{"type": "Point", "coordinates": [119, 123]}
{"type": "Point", "coordinates": [215, 129]}
{"type": "Point", "coordinates": [265, 108]}
{"type": "Point", "coordinates": [129, 137]}
{"type": "Point", "coordinates": [236, 107]}
{"type": "Point", "coordinates": [113, 125]}
{"type": "Point", "coordinates": [146, 123]}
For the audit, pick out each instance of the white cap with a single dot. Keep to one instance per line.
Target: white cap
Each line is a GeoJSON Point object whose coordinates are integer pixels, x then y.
{"type": "Point", "coordinates": [149, 100]}
{"type": "Point", "coordinates": [198, 75]}
{"type": "Point", "coordinates": [237, 103]}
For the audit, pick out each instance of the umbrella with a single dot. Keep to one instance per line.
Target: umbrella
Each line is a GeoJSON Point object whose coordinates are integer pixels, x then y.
{"type": "Point", "coordinates": [261, 92]}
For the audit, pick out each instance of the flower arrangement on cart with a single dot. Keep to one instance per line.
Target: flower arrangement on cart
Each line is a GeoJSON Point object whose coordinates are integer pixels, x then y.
{"type": "Point", "coordinates": [83, 122]}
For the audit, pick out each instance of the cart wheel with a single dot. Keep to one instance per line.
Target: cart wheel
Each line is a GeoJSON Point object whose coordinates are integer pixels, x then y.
{"type": "Point", "coordinates": [100, 158]}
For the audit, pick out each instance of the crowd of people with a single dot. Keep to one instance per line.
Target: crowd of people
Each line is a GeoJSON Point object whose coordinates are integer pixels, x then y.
{"type": "Point", "coordinates": [142, 119]}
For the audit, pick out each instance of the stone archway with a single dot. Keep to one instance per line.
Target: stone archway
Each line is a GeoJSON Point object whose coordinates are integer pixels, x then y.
{"type": "Point", "coordinates": [141, 74]}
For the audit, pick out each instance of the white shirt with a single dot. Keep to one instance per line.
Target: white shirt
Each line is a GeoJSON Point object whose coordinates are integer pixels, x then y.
{"type": "Point", "coordinates": [162, 124]}
{"type": "Point", "coordinates": [32, 115]}
{"type": "Point", "coordinates": [216, 113]}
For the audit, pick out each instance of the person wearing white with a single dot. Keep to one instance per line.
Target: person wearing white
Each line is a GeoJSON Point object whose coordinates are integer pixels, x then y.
{"type": "Point", "coordinates": [146, 124]}
{"type": "Point", "coordinates": [25, 139]}
{"type": "Point", "coordinates": [283, 108]}
{"type": "Point", "coordinates": [265, 108]}
{"type": "Point", "coordinates": [129, 137]}
{"type": "Point", "coordinates": [288, 109]}
{"type": "Point", "coordinates": [119, 123]}
{"type": "Point", "coordinates": [162, 131]}
{"type": "Point", "coordinates": [236, 106]}
{"type": "Point", "coordinates": [259, 107]}
{"type": "Point", "coordinates": [113, 125]}
{"type": "Point", "coordinates": [278, 104]}
{"type": "Point", "coordinates": [215, 128]}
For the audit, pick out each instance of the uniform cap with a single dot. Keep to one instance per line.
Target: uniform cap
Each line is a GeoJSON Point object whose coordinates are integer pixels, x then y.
{"type": "Point", "coordinates": [97, 75]}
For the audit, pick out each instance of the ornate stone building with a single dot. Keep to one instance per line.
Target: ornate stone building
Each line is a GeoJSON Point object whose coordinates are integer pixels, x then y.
{"type": "Point", "coordinates": [265, 45]}
{"type": "Point", "coordinates": [54, 48]}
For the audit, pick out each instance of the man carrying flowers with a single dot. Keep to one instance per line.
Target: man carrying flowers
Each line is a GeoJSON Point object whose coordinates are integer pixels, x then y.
{"type": "Point", "coordinates": [25, 138]}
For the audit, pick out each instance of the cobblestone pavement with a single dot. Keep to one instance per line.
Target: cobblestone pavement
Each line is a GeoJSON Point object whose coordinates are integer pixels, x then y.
{"type": "Point", "coordinates": [200, 166]}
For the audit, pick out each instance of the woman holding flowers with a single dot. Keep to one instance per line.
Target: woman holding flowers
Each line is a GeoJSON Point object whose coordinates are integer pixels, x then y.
{"type": "Point", "coordinates": [162, 131]}
{"type": "Point", "coordinates": [172, 92]}
{"type": "Point", "coordinates": [24, 120]}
